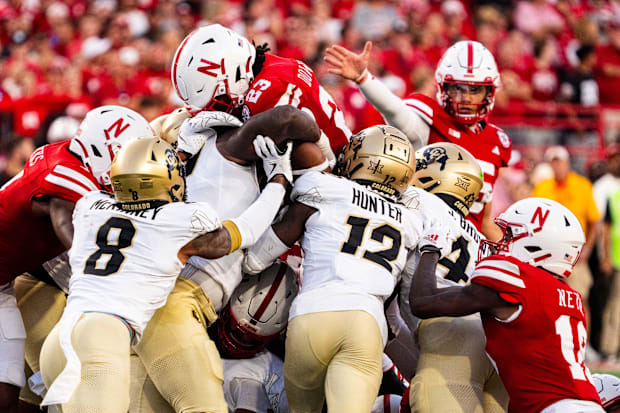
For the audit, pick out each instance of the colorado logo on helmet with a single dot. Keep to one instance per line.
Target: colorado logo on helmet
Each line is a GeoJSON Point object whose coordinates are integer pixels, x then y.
{"type": "Point", "coordinates": [436, 155]}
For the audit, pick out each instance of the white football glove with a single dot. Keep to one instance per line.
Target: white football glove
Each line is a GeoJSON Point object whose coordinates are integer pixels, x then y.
{"type": "Point", "coordinates": [273, 161]}
{"type": "Point", "coordinates": [436, 237]}
{"type": "Point", "coordinates": [209, 119]}
{"type": "Point", "coordinates": [195, 131]}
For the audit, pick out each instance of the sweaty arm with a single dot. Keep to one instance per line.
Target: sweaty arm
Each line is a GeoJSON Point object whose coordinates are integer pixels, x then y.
{"type": "Point", "coordinates": [278, 239]}
{"type": "Point", "coordinates": [426, 300]}
{"type": "Point", "coordinates": [280, 124]}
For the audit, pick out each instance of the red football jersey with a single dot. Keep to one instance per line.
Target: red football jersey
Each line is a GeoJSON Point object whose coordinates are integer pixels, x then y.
{"type": "Point", "coordinates": [539, 352]}
{"type": "Point", "coordinates": [290, 82]}
{"type": "Point", "coordinates": [28, 240]}
{"type": "Point", "coordinates": [491, 146]}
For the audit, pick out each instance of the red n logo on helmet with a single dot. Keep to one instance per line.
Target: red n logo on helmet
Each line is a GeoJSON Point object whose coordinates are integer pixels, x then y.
{"type": "Point", "coordinates": [209, 66]}
{"type": "Point", "coordinates": [541, 217]}
{"type": "Point", "coordinates": [118, 128]}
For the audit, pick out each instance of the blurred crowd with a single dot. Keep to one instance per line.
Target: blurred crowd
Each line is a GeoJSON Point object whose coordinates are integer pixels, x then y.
{"type": "Point", "coordinates": [61, 58]}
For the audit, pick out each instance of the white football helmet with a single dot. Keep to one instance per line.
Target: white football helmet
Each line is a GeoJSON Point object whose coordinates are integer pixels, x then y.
{"type": "Point", "coordinates": [542, 233]}
{"type": "Point", "coordinates": [608, 388]}
{"type": "Point", "coordinates": [102, 133]}
{"type": "Point", "coordinates": [467, 63]}
{"type": "Point", "coordinates": [387, 403]}
{"type": "Point", "coordinates": [212, 69]}
{"type": "Point", "coordinates": [258, 311]}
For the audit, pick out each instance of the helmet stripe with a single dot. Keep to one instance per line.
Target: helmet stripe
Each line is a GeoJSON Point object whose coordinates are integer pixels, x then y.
{"type": "Point", "coordinates": [176, 61]}
{"type": "Point", "coordinates": [272, 291]}
{"type": "Point", "coordinates": [470, 57]}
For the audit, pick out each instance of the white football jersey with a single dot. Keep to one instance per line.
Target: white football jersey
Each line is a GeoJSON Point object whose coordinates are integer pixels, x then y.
{"type": "Point", "coordinates": [355, 246]}
{"type": "Point", "coordinates": [266, 369]}
{"type": "Point", "coordinates": [458, 265]}
{"type": "Point", "coordinates": [230, 189]}
{"type": "Point", "coordinates": [126, 262]}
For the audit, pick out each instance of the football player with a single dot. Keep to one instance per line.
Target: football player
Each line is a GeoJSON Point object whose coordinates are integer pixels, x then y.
{"type": "Point", "coordinates": [215, 68]}
{"type": "Point", "coordinates": [453, 372]}
{"type": "Point", "coordinates": [533, 321]}
{"type": "Point", "coordinates": [256, 315]}
{"type": "Point", "coordinates": [467, 80]}
{"type": "Point", "coordinates": [35, 223]}
{"type": "Point", "coordinates": [175, 344]}
{"type": "Point", "coordinates": [128, 250]}
{"type": "Point", "coordinates": [356, 241]}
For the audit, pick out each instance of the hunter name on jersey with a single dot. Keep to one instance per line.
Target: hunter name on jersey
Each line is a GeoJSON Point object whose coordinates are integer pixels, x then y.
{"type": "Point", "coordinates": [376, 204]}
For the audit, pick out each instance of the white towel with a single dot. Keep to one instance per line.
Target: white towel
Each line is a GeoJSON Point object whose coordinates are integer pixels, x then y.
{"type": "Point", "coordinates": [67, 381]}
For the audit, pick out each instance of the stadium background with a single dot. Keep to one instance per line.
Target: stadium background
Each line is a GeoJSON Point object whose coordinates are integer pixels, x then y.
{"type": "Point", "coordinates": [559, 62]}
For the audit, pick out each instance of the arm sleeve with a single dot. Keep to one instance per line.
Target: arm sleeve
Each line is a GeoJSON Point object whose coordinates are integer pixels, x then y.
{"type": "Point", "coordinates": [395, 111]}
{"type": "Point", "coordinates": [252, 223]}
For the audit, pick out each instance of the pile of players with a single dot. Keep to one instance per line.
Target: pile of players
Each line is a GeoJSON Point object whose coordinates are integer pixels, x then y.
{"type": "Point", "coordinates": [217, 265]}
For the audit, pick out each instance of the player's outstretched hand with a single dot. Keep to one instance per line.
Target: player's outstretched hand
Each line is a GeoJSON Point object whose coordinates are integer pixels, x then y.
{"type": "Point", "coordinates": [346, 63]}
{"type": "Point", "coordinates": [274, 162]}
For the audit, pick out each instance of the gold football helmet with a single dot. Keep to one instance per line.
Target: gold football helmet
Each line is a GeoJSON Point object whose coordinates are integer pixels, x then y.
{"type": "Point", "coordinates": [167, 126]}
{"type": "Point", "coordinates": [448, 169]}
{"type": "Point", "coordinates": [381, 157]}
{"type": "Point", "coordinates": [147, 170]}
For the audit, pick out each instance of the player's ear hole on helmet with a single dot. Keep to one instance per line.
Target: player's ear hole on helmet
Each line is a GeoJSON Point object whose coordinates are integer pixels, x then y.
{"type": "Point", "coordinates": [96, 151]}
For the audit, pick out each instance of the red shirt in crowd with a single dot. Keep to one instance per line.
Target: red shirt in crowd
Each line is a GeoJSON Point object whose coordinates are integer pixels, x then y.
{"type": "Point", "coordinates": [608, 86]}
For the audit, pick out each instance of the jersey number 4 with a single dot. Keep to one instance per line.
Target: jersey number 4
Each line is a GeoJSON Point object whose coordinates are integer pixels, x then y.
{"type": "Point", "coordinates": [455, 263]}
{"type": "Point", "coordinates": [379, 233]}
{"type": "Point", "coordinates": [122, 232]}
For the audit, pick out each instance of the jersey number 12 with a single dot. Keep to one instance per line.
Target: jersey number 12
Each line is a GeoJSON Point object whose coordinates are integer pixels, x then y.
{"type": "Point", "coordinates": [379, 233]}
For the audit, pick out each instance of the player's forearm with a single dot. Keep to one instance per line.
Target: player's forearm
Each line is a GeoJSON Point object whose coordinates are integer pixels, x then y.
{"type": "Point", "coordinates": [394, 110]}
{"type": "Point", "coordinates": [285, 122]}
{"type": "Point", "coordinates": [61, 215]}
{"type": "Point", "coordinates": [277, 239]}
{"type": "Point", "coordinates": [255, 220]}
{"type": "Point", "coordinates": [424, 286]}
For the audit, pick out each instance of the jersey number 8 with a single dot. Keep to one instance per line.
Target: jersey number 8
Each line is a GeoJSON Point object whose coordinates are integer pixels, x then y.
{"type": "Point", "coordinates": [123, 232]}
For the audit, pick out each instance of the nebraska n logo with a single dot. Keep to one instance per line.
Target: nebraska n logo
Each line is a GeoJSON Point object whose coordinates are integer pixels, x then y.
{"type": "Point", "coordinates": [209, 66]}
{"type": "Point", "coordinates": [118, 128]}
{"type": "Point", "coordinates": [538, 215]}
